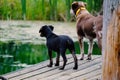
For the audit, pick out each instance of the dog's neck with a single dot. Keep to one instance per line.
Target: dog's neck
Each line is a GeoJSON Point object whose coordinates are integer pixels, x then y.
{"type": "Point", "coordinates": [81, 10]}
{"type": "Point", "coordinates": [82, 14]}
{"type": "Point", "coordinates": [50, 35]}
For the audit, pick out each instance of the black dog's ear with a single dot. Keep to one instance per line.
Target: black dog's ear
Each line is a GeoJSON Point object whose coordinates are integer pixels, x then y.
{"type": "Point", "coordinates": [51, 27]}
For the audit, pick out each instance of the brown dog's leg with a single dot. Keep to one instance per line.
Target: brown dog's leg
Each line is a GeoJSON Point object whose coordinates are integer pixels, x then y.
{"type": "Point", "coordinates": [81, 43]}
{"type": "Point", "coordinates": [50, 56]}
{"type": "Point", "coordinates": [90, 49]}
{"type": "Point", "coordinates": [100, 43]}
{"type": "Point", "coordinates": [99, 37]}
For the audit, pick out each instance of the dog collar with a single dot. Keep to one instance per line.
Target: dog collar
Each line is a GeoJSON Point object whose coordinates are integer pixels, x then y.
{"type": "Point", "coordinates": [81, 8]}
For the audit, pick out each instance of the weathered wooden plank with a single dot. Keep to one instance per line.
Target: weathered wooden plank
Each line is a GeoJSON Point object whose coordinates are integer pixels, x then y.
{"type": "Point", "coordinates": [42, 71]}
{"type": "Point", "coordinates": [30, 69]}
{"type": "Point", "coordinates": [68, 69]}
{"type": "Point", "coordinates": [96, 77]}
{"type": "Point", "coordinates": [55, 71]}
{"type": "Point", "coordinates": [79, 73]}
{"type": "Point", "coordinates": [88, 75]}
{"type": "Point", "coordinates": [36, 72]}
{"type": "Point", "coordinates": [69, 72]}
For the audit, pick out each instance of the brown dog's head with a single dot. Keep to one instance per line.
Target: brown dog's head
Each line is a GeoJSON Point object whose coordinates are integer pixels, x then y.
{"type": "Point", "coordinates": [78, 6]}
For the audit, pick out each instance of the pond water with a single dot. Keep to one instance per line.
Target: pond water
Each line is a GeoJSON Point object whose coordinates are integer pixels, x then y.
{"type": "Point", "coordinates": [21, 46]}
{"type": "Point", "coordinates": [28, 31]}
{"type": "Point", "coordinates": [16, 55]}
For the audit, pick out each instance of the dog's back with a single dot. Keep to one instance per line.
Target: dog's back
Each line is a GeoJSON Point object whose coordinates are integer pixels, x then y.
{"type": "Point", "coordinates": [85, 24]}
{"type": "Point", "coordinates": [68, 42]}
{"type": "Point", "coordinates": [55, 42]}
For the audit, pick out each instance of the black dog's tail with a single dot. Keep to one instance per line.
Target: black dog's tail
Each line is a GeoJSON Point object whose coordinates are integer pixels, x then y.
{"type": "Point", "coordinates": [70, 44]}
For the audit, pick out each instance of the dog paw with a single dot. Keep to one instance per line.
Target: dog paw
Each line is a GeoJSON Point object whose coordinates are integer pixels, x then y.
{"type": "Point", "coordinates": [89, 58]}
{"type": "Point", "coordinates": [56, 64]}
{"type": "Point", "coordinates": [81, 58]}
{"type": "Point", "coordinates": [61, 68]}
{"type": "Point", "coordinates": [49, 65]}
{"type": "Point", "coordinates": [75, 68]}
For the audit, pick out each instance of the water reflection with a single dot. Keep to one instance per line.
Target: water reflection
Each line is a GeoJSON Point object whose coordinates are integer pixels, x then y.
{"type": "Point", "coordinates": [15, 55]}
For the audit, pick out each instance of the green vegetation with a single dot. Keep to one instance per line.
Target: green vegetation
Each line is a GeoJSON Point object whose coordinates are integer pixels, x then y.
{"type": "Point", "coordinates": [14, 53]}
{"type": "Point", "coordinates": [23, 3]}
{"type": "Point", "coordinates": [58, 10]}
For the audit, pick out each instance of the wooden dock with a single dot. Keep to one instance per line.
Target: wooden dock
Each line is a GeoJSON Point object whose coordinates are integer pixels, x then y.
{"type": "Point", "coordinates": [87, 70]}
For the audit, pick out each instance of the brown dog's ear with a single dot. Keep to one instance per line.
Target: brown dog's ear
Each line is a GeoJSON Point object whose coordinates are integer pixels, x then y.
{"type": "Point", "coordinates": [51, 27]}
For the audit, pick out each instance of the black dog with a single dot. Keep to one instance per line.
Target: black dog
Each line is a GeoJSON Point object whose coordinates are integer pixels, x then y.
{"type": "Point", "coordinates": [2, 78]}
{"type": "Point", "coordinates": [58, 44]}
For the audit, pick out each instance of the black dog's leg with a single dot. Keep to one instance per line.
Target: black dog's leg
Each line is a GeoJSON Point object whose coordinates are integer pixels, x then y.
{"type": "Point", "coordinates": [50, 56]}
{"type": "Point", "coordinates": [75, 60]}
{"type": "Point", "coordinates": [64, 59]}
{"type": "Point", "coordinates": [57, 59]}
{"type": "Point", "coordinates": [72, 50]}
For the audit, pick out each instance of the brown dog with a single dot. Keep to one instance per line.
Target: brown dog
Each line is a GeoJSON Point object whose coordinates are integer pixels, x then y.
{"type": "Point", "coordinates": [88, 26]}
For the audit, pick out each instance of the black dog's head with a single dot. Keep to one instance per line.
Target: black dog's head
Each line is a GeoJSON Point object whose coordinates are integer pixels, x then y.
{"type": "Point", "coordinates": [45, 30]}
